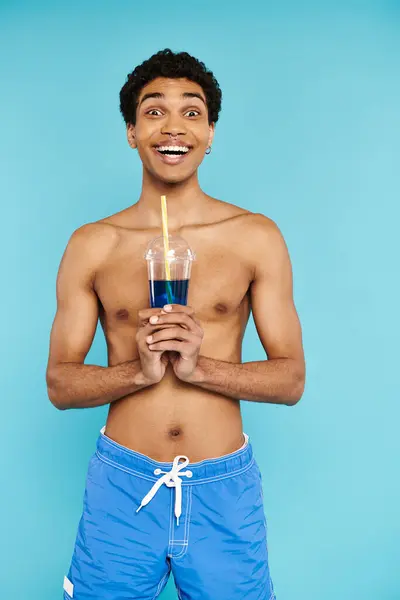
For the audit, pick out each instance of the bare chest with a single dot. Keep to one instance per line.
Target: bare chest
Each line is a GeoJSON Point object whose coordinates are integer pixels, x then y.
{"type": "Point", "coordinates": [218, 288]}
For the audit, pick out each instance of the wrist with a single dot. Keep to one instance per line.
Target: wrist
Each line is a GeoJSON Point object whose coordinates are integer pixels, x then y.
{"type": "Point", "coordinates": [141, 380]}
{"type": "Point", "coordinates": [197, 377]}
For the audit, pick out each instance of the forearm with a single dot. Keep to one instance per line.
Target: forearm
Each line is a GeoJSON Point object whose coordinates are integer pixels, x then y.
{"type": "Point", "coordinates": [278, 381]}
{"type": "Point", "coordinates": [75, 385]}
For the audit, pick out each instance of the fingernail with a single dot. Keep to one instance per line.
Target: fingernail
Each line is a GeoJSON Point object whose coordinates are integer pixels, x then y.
{"type": "Point", "coordinates": [167, 307]}
{"type": "Point", "coordinates": [153, 319]}
{"type": "Point", "coordinates": [149, 338]}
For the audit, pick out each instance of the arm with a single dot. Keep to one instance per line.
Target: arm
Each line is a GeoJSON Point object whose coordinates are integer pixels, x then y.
{"type": "Point", "coordinates": [70, 383]}
{"type": "Point", "coordinates": [281, 378]}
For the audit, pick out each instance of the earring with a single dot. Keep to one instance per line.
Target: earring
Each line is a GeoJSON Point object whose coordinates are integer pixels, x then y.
{"type": "Point", "coordinates": [208, 151]}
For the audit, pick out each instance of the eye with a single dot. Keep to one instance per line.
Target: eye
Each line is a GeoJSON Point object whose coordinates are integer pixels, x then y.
{"type": "Point", "coordinates": [193, 113]}
{"type": "Point", "coordinates": [152, 111]}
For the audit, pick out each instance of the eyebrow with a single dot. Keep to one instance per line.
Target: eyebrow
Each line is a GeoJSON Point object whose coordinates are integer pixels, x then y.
{"type": "Point", "coordinates": [162, 96]}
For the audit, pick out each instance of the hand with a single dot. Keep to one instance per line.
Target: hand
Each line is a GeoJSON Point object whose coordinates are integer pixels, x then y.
{"type": "Point", "coordinates": [182, 339]}
{"type": "Point", "coordinates": [153, 363]}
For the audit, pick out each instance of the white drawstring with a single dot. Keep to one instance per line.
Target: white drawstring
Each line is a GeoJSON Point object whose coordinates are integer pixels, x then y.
{"type": "Point", "coordinates": [171, 479]}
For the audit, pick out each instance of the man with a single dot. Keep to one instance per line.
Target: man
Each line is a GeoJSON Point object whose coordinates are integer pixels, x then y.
{"type": "Point", "coordinates": [174, 386]}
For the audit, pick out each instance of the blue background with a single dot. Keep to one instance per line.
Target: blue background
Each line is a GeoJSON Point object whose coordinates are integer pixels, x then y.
{"type": "Point", "coordinates": [309, 135]}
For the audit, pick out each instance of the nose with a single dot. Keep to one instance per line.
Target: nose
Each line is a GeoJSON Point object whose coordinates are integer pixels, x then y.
{"type": "Point", "coordinates": [173, 126]}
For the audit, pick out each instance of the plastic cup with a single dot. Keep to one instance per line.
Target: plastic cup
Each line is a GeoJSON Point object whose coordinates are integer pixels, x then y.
{"type": "Point", "coordinates": [180, 257]}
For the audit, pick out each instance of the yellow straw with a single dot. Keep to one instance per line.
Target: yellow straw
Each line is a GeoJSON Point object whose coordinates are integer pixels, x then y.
{"type": "Point", "coordinates": [165, 235]}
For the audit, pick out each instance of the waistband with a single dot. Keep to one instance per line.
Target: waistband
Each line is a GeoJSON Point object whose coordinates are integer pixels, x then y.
{"type": "Point", "coordinates": [204, 471]}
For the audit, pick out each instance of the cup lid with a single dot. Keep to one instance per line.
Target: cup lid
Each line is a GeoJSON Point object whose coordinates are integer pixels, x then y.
{"type": "Point", "coordinates": [179, 249]}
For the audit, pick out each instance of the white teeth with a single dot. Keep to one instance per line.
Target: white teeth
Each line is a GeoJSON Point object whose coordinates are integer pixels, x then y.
{"type": "Point", "coordinates": [173, 148]}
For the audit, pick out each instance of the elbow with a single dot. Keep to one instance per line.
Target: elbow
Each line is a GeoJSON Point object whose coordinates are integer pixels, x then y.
{"type": "Point", "coordinates": [296, 391]}
{"type": "Point", "coordinates": [55, 399]}
{"type": "Point", "coordinates": [60, 406]}
{"type": "Point", "coordinates": [53, 392]}
{"type": "Point", "coordinates": [293, 399]}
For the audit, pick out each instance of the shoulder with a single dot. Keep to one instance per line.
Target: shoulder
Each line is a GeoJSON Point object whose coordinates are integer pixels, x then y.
{"type": "Point", "coordinates": [251, 223]}
{"type": "Point", "coordinates": [252, 231]}
{"type": "Point", "coordinates": [260, 232]}
{"type": "Point", "coordinates": [260, 224]}
{"type": "Point", "coordinates": [263, 244]}
{"type": "Point", "coordinates": [95, 235]}
{"type": "Point", "coordinates": [90, 244]}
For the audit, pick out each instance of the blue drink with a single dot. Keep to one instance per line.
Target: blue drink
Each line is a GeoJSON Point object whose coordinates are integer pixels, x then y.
{"type": "Point", "coordinates": [168, 271]}
{"type": "Point", "coordinates": [176, 294]}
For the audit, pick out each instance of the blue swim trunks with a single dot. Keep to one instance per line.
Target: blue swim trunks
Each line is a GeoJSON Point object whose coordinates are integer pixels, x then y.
{"type": "Point", "coordinates": [142, 519]}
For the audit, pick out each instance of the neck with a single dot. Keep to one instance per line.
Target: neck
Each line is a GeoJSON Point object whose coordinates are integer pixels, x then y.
{"type": "Point", "coordinates": [186, 202]}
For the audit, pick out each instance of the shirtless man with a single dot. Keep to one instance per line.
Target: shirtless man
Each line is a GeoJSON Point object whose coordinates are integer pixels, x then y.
{"type": "Point", "coordinates": [173, 484]}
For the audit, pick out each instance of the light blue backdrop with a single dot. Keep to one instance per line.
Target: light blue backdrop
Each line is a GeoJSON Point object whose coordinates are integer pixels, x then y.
{"type": "Point", "coordinates": [309, 135]}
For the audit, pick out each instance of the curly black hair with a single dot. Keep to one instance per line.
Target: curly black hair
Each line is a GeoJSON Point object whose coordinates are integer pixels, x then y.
{"type": "Point", "coordinates": [173, 65]}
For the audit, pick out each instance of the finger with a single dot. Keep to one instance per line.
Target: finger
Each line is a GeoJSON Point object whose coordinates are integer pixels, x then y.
{"type": "Point", "coordinates": [182, 308]}
{"type": "Point", "coordinates": [174, 345]}
{"type": "Point", "coordinates": [172, 333]}
{"type": "Point", "coordinates": [144, 332]}
{"type": "Point", "coordinates": [141, 335]}
{"type": "Point", "coordinates": [181, 318]}
{"type": "Point", "coordinates": [145, 314]}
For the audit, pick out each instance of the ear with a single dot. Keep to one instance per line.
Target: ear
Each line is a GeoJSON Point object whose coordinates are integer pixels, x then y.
{"type": "Point", "coordinates": [131, 135]}
{"type": "Point", "coordinates": [211, 134]}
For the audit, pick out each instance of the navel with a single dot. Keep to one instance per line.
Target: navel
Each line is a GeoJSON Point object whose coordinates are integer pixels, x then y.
{"type": "Point", "coordinates": [122, 314]}
{"type": "Point", "coordinates": [175, 432]}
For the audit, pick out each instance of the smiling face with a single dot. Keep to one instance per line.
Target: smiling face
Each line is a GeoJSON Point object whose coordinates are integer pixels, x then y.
{"type": "Point", "coordinates": [172, 131]}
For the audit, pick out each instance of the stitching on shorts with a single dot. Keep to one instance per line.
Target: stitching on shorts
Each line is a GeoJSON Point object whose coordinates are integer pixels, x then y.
{"type": "Point", "coordinates": [264, 519]}
{"type": "Point", "coordinates": [180, 543]}
{"type": "Point", "coordinates": [187, 525]}
{"type": "Point", "coordinates": [271, 587]}
{"type": "Point", "coordinates": [171, 530]}
{"type": "Point", "coordinates": [185, 483]}
{"type": "Point", "coordinates": [220, 477]}
{"type": "Point", "coordinates": [125, 469]}
{"type": "Point", "coordinates": [188, 508]}
{"type": "Point", "coordinates": [173, 541]}
{"type": "Point", "coordinates": [185, 532]}
{"type": "Point", "coordinates": [181, 553]}
{"type": "Point", "coordinates": [185, 535]}
{"type": "Point", "coordinates": [160, 584]}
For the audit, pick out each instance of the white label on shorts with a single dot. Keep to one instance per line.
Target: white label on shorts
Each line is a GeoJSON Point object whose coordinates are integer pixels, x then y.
{"type": "Point", "coordinates": [68, 587]}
